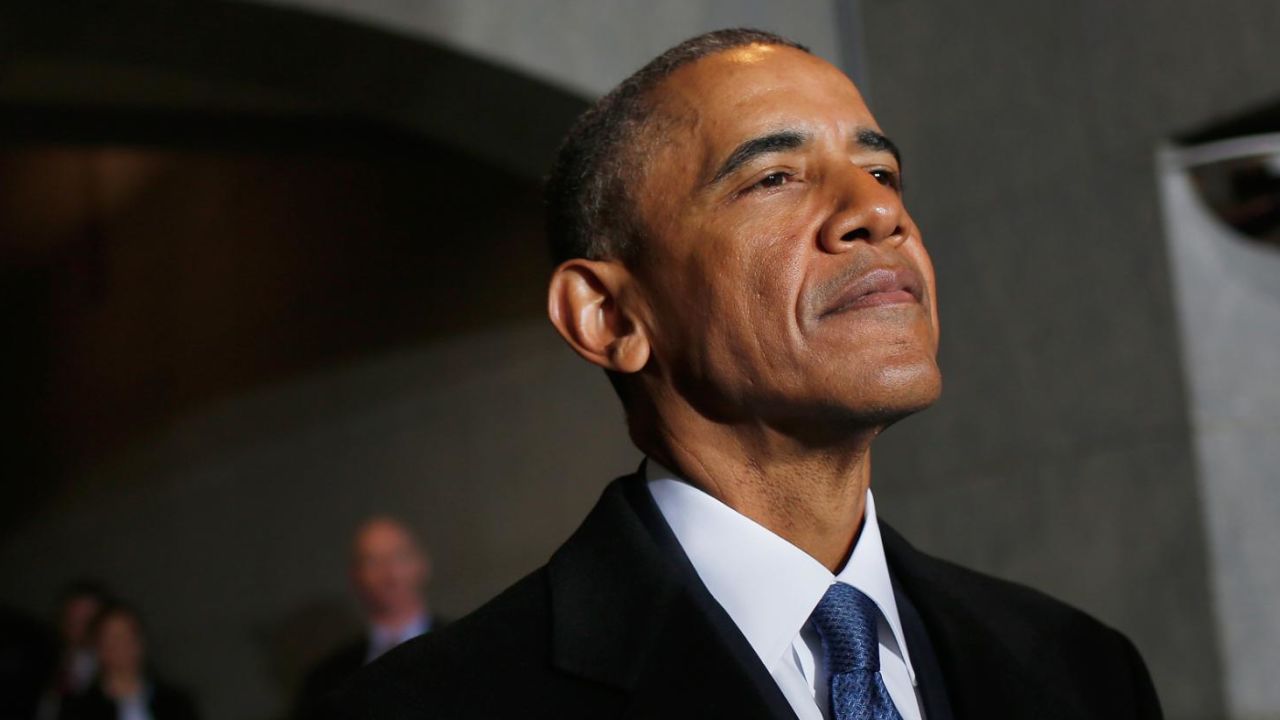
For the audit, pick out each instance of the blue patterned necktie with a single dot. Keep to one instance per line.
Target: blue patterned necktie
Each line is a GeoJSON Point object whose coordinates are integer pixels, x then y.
{"type": "Point", "coordinates": [846, 621]}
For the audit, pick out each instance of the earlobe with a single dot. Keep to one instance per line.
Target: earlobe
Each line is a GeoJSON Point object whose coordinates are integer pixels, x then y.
{"type": "Point", "coordinates": [589, 304]}
{"type": "Point", "coordinates": [630, 353]}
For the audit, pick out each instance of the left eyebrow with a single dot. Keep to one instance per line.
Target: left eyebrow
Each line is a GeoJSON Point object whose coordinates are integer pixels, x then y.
{"type": "Point", "coordinates": [869, 139]}
{"type": "Point", "coordinates": [755, 147]}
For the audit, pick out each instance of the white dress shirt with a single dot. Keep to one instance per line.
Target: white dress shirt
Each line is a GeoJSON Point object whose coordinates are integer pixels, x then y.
{"type": "Point", "coordinates": [82, 669]}
{"type": "Point", "coordinates": [135, 707]}
{"type": "Point", "coordinates": [383, 638]}
{"type": "Point", "coordinates": [770, 587]}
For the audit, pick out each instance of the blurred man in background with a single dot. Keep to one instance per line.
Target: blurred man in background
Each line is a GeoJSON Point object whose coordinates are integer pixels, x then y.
{"type": "Point", "coordinates": [389, 574]}
{"type": "Point", "coordinates": [126, 687]}
{"type": "Point", "coordinates": [80, 604]}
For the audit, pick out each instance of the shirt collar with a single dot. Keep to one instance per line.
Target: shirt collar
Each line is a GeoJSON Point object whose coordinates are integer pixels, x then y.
{"type": "Point", "coordinates": [385, 637]}
{"type": "Point", "coordinates": [768, 586]}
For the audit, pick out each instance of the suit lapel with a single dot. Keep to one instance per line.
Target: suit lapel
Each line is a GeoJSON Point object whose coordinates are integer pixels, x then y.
{"type": "Point", "coordinates": [984, 678]}
{"type": "Point", "coordinates": [924, 660]}
{"type": "Point", "coordinates": [629, 612]}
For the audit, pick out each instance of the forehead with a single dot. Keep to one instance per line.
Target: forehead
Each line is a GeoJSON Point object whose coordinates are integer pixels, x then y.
{"type": "Point", "coordinates": [80, 603]}
{"type": "Point", "coordinates": [731, 95]}
{"type": "Point", "coordinates": [119, 621]}
{"type": "Point", "coordinates": [381, 535]}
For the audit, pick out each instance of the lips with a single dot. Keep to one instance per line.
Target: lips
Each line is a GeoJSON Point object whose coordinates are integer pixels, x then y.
{"type": "Point", "coordinates": [875, 288]}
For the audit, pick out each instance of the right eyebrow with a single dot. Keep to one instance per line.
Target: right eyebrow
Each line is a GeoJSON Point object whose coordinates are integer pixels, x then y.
{"type": "Point", "coordinates": [876, 141]}
{"type": "Point", "coordinates": [757, 146]}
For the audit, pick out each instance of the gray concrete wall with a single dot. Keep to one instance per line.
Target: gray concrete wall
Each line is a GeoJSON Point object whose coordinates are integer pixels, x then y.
{"type": "Point", "coordinates": [584, 45]}
{"type": "Point", "coordinates": [1228, 301]}
{"type": "Point", "coordinates": [1061, 453]}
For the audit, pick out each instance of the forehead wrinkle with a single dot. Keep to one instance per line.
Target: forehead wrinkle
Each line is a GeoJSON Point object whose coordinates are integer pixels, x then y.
{"type": "Point", "coordinates": [789, 127]}
{"type": "Point", "coordinates": [696, 93]}
{"type": "Point", "coordinates": [693, 100]}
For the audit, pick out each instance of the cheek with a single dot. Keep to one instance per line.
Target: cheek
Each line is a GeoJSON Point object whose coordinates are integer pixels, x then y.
{"type": "Point", "coordinates": [777, 278]}
{"type": "Point", "coordinates": [757, 288]}
{"type": "Point", "coordinates": [924, 265]}
{"type": "Point", "coordinates": [729, 300]}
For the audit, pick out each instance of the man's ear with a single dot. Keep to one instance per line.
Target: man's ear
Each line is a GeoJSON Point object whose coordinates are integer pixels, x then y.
{"type": "Point", "coordinates": [592, 304]}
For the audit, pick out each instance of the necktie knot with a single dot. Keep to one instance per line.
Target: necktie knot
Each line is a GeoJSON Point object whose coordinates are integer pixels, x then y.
{"type": "Point", "coordinates": [846, 620]}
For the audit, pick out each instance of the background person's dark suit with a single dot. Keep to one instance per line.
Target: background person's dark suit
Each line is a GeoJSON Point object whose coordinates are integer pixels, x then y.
{"type": "Point", "coordinates": [330, 673]}
{"type": "Point", "coordinates": [618, 624]}
{"type": "Point", "coordinates": [166, 703]}
{"type": "Point", "coordinates": [28, 659]}
{"type": "Point", "coordinates": [335, 669]}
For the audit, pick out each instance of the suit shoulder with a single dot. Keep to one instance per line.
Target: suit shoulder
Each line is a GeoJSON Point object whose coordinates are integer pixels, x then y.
{"type": "Point", "coordinates": [449, 669]}
{"type": "Point", "coordinates": [1066, 646]}
{"type": "Point", "coordinates": [1022, 609]}
{"type": "Point", "coordinates": [1019, 610]}
{"type": "Point", "coordinates": [172, 701]}
{"type": "Point", "coordinates": [344, 660]}
{"type": "Point", "coordinates": [329, 673]}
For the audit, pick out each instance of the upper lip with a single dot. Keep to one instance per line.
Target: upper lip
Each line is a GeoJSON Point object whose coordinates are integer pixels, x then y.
{"type": "Point", "coordinates": [876, 280]}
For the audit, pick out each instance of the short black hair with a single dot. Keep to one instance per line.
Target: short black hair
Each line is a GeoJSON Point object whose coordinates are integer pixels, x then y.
{"type": "Point", "coordinates": [84, 588]}
{"type": "Point", "coordinates": [589, 213]}
{"type": "Point", "coordinates": [116, 608]}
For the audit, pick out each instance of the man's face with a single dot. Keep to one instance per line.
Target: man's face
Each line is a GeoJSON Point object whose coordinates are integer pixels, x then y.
{"type": "Point", "coordinates": [77, 614]}
{"type": "Point", "coordinates": [388, 570]}
{"type": "Point", "coordinates": [120, 645]}
{"type": "Point", "coordinates": [784, 281]}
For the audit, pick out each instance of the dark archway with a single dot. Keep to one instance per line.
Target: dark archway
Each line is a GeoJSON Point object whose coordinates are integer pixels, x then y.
{"type": "Point", "coordinates": [165, 71]}
{"type": "Point", "coordinates": [198, 199]}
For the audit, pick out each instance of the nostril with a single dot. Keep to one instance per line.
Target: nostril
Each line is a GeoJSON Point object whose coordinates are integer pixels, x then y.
{"type": "Point", "coordinates": [862, 233]}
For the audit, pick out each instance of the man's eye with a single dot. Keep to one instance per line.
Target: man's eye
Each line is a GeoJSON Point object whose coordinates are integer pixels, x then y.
{"type": "Point", "coordinates": [773, 180]}
{"type": "Point", "coordinates": [888, 178]}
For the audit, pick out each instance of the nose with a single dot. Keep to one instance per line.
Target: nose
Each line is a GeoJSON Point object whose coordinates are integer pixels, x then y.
{"type": "Point", "coordinates": [866, 211]}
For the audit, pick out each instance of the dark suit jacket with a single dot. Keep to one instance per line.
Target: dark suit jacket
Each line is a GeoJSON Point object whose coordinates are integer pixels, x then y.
{"type": "Point", "coordinates": [329, 674]}
{"type": "Point", "coordinates": [617, 624]}
{"type": "Point", "coordinates": [167, 703]}
{"type": "Point", "coordinates": [28, 659]}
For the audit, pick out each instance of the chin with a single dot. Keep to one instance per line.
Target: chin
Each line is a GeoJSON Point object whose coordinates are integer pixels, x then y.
{"type": "Point", "coordinates": [861, 401]}
{"type": "Point", "coordinates": [895, 391]}
{"type": "Point", "coordinates": [917, 383]}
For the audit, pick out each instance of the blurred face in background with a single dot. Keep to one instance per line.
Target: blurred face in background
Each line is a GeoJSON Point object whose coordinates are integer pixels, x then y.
{"type": "Point", "coordinates": [388, 571]}
{"type": "Point", "coordinates": [121, 649]}
{"type": "Point", "coordinates": [78, 613]}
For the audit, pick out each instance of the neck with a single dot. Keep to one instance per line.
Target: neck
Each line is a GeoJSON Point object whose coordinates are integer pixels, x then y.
{"type": "Point", "coordinates": [813, 497]}
{"type": "Point", "coordinates": [397, 619]}
{"type": "Point", "coordinates": [122, 683]}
